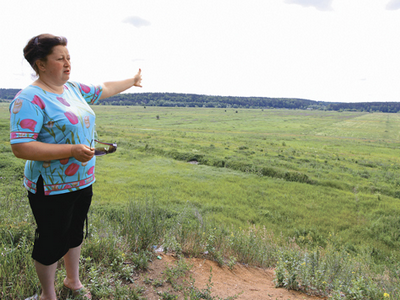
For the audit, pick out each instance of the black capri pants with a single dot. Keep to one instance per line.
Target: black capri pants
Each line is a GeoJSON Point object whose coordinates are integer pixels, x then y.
{"type": "Point", "coordinates": [60, 221]}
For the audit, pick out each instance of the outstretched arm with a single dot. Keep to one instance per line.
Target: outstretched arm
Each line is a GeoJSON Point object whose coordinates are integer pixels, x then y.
{"type": "Point", "coordinates": [112, 88]}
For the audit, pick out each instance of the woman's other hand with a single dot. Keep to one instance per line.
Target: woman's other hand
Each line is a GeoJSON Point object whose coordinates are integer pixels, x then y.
{"type": "Point", "coordinates": [137, 80]}
{"type": "Point", "coordinates": [82, 152]}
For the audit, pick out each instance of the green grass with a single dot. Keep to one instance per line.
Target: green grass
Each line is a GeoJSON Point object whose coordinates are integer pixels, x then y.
{"type": "Point", "coordinates": [299, 173]}
{"type": "Point", "coordinates": [310, 178]}
{"type": "Point", "coordinates": [263, 159]}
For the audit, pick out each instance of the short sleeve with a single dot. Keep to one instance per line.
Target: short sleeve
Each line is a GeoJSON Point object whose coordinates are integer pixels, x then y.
{"type": "Point", "coordinates": [91, 93]}
{"type": "Point", "coordinates": [26, 119]}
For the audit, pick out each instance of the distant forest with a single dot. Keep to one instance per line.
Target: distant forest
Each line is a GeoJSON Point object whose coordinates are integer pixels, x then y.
{"type": "Point", "coordinates": [195, 100]}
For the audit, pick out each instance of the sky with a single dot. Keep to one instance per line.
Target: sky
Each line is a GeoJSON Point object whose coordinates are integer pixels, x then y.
{"type": "Point", "coordinates": [323, 50]}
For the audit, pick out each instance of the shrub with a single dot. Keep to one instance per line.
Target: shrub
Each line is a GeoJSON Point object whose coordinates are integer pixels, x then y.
{"type": "Point", "coordinates": [143, 224]}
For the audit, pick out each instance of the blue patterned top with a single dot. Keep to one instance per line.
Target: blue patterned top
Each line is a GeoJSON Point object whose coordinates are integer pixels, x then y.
{"type": "Point", "coordinates": [38, 115]}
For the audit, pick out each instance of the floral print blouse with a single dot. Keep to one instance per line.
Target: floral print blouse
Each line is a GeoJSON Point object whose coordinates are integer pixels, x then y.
{"type": "Point", "coordinates": [37, 115]}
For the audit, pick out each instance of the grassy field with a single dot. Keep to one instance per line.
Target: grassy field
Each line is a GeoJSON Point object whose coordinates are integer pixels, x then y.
{"type": "Point", "coordinates": [303, 173]}
{"type": "Point", "coordinates": [313, 178]}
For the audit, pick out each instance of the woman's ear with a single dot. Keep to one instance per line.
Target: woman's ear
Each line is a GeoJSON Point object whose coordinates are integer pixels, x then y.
{"type": "Point", "coordinates": [41, 65]}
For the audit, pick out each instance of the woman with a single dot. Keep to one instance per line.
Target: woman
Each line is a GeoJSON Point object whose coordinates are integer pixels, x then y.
{"type": "Point", "coordinates": [52, 127]}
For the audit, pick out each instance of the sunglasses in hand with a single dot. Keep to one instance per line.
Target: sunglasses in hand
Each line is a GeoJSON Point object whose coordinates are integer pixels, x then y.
{"type": "Point", "coordinates": [101, 148]}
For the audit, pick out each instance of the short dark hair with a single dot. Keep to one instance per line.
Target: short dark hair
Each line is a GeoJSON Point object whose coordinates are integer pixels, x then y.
{"type": "Point", "coordinates": [40, 46]}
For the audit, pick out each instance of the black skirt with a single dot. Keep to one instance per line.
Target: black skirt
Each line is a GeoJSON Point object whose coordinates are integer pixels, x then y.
{"type": "Point", "coordinates": [60, 221]}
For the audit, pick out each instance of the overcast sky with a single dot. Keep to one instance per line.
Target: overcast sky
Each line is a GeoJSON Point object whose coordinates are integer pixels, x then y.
{"type": "Point", "coordinates": [325, 50]}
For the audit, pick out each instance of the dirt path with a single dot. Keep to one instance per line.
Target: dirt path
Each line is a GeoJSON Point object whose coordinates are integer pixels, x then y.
{"type": "Point", "coordinates": [252, 283]}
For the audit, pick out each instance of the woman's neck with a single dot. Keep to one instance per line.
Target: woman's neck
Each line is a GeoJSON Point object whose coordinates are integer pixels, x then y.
{"type": "Point", "coordinates": [48, 87]}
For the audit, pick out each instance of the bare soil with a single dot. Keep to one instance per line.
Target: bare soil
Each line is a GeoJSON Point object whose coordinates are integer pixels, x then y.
{"type": "Point", "coordinates": [246, 282]}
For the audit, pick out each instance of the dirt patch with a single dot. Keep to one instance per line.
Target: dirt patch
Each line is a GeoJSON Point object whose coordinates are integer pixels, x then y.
{"type": "Point", "coordinates": [247, 282]}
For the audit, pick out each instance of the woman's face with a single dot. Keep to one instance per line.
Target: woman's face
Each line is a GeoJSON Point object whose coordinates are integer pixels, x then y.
{"type": "Point", "coordinates": [57, 68]}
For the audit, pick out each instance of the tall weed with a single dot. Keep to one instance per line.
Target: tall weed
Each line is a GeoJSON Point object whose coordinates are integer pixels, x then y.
{"type": "Point", "coordinates": [143, 225]}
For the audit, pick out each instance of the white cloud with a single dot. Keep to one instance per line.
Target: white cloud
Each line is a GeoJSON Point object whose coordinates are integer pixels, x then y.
{"type": "Point", "coordinates": [393, 5]}
{"type": "Point", "coordinates": [136, 21]}
{"type": "Point", "coordinates": [318, 4]}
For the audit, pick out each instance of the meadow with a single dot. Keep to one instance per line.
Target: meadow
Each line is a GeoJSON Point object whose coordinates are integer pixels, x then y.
{"type": "Point", "coordinates": [306, 174]}
{"type": "Point", "coordinates": [301, 190]}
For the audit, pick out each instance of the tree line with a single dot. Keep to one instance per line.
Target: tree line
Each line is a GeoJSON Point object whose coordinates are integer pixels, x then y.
{"type": "Point", "coordinates": [8, 94]}
{"type": "Point", "coordinates": [196, 100]}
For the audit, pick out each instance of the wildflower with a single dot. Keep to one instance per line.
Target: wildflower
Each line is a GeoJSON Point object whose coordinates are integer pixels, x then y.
{"type": "Point", "coordinates": [386, 295]}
